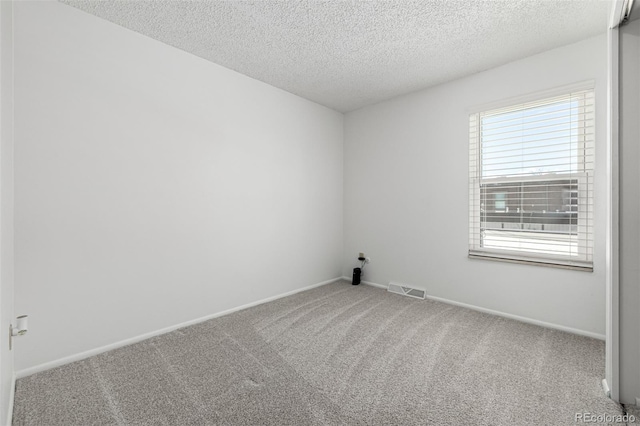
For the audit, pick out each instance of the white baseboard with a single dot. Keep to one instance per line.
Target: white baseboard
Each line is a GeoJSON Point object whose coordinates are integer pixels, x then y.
{"type": "Point", "coordinates": [605, 388]}
{"type": "Point", "coordinates": [12, 394]}
{"type": "Point", "coordinates": [372, 284]}
{"type": "Point", "coordinates": [521, 319]}
{"type": "Point", "coordinates": [504, 314]}
{"type": "Point", "coordinates": [83, 355]}
{"type": "Point", "coordinates": [375, 285]}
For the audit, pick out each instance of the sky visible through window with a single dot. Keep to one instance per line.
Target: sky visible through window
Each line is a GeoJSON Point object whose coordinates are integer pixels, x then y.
{"type": "Point", "coordinates": [534, 141]}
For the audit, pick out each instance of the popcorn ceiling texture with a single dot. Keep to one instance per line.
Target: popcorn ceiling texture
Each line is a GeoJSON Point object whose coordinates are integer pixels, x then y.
{"type": "Point", "coordinates": [346, 55]}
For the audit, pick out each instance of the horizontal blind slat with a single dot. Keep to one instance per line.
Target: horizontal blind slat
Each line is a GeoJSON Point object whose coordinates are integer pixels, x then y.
{"type": "Point", "coordinates": [573, 118]}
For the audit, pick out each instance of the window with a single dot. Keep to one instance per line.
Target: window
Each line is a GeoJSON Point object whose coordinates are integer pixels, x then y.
{"type": "Point", "coordinates": [531, 181]}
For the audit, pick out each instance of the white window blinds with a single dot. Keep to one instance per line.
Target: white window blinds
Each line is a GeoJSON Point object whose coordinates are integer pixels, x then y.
{"type": "Point", "coordinates": [531, 181]}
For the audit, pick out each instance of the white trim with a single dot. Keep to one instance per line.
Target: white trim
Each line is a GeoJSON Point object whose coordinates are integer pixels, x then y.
{"type": "Point", "coordinates": [505, 315]}
{"type": "Point", "coordinates": [605, 388]}
{"type": "Point", "coordinates": [612, 295]}
{"type": "Point", "coordinates": [514, 257]}
{"type": "Point", "coordinates": [12, 394]}
{"type": "Point", "coordinates": [519, 318]}
{"type": "Point", "coordinates": [369, 283]}
{"type": "Point", "coordinates": [533, 96]}
{"type": "Point", "coordinates": [83, 355]}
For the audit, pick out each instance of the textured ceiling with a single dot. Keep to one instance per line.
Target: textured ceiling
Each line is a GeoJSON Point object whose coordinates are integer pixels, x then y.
{"type": "Point", "coordinates": [348, 54]}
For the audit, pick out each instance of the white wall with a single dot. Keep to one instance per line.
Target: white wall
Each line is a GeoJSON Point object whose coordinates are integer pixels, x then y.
{"type": "Point", "coordinates": [406, 169]}
{"type": "Point", "coordinates": [154, 187]}
{"type": "Point", "coordinates": [629, 212]}
{"type": "Point", "coordinates": [6, 209]}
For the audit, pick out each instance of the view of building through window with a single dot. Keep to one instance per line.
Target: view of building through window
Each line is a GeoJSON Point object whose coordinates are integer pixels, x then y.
{"type": "Point", "coordinates": [544, 214]}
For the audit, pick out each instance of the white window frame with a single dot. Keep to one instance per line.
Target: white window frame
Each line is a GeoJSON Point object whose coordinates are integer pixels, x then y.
{"type": "Point", "coordinates": [584, 258]}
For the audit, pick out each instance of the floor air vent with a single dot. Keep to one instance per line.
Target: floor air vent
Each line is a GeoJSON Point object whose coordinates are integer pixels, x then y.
{"type": "Point", "coordinates": [405, 290]}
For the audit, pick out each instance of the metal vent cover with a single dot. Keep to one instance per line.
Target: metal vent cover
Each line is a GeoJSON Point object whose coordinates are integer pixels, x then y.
{"type": "Point", "coordinates": [406, 290]}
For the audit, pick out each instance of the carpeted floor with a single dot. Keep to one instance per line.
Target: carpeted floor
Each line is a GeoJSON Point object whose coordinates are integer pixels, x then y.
{"type": "Point", "coordinates": [335, 355]}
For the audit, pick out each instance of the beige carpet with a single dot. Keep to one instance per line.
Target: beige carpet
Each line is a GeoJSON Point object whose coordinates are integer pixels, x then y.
{"type": "Point", "coordinates": [337, 354]}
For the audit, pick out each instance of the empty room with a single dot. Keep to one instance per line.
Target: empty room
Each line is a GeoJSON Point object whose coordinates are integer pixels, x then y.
{"type": "Point", "coordinates": [305, 212]}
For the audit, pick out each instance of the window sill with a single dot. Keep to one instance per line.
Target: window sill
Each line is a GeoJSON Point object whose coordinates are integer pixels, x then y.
{"type": "Point", "coordinates": [538, 262]}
